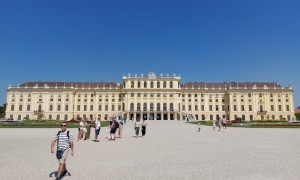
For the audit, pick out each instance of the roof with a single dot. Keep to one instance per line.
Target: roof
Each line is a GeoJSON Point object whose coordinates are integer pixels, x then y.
{"type": "Point", "coordinates": [69, 84]}
{"type": "Point", "coordinates": [230, 85]}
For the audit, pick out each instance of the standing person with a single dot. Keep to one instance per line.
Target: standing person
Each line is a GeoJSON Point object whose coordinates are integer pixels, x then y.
{"type": "Point", "coordinates": [224, 122]}
{"type": "Point", "coordinates": [80, 133]}
{"type": "Point", "coordinates": [97, 129]}
{"type": "Point", "coordinates": [137, 126]}
{"type": "Point", "coordinates": [114, 125]}
{"type": "Point", "coordinates": [214, 124]}
{"type": "Point", "coordinates": [64, 141]}
{"type": "Point", "coordinates": [220, 124]}
{"type": "Point", "coordinates": [144, 128]}
{"type": "Point", "coordinates": [84, 129]}
{"type": "Point", "coordinates": [120, 129]}
{"type": "Point", "coordinates": [199, 126]}
{"type": "Point", "coordinates": [88, 130]}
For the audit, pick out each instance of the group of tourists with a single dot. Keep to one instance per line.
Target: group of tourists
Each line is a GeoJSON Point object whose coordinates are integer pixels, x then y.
{"type": "Point", "coordinates": [221, 123]}
{"type": "Point", "coordinates": [84, 130]}
{"type": "Point", "coordinates": [138, 125]}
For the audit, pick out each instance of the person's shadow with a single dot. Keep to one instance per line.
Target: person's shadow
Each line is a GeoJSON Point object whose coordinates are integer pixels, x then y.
{"type": "Point", "coordinates": [54, 174]}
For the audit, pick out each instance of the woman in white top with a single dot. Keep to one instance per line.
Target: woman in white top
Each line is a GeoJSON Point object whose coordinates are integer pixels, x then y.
{"type": "Point", "coordinates": [144, 128]}
{"type": "Point", "coordinates": [137, 125]}
{"type": "Point", "coordinates": [80, 133]}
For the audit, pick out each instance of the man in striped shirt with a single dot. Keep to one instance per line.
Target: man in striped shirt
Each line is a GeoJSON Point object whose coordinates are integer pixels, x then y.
{"type": "Point", "coordinates": [64, 141]}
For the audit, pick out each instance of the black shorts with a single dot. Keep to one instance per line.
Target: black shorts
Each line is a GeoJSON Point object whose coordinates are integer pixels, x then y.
{"type": "Point", "coordinates": [113, 131]}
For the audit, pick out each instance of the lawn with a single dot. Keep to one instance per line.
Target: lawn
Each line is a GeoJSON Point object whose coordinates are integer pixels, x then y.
{"type": "Point", "coordinates": [43, 124]}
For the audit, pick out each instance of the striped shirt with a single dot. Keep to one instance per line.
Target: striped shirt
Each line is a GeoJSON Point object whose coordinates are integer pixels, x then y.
{"type": "Point", "coordinates": [64, 141]}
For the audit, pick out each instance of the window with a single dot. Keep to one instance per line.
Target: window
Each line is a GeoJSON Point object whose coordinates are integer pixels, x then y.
{"type": "Point", "coordinates": [272, 107]}
{"type": "Point", "coordinates": [234, 108]}
{"type": "Point", "coordinates": [210, 107]}
{"type": "Point", "coordinates": [58, 117]}
{"type": "Point", "coordinates": [171, 84]}
{"type": "Point", "coordinates": [58, 107]}
{"type": "Point", "coordinates": [287, 108]}
{"type": "Point", "coordinates": [164, 84]}
{"type": "Point", "coordinates": [66, 117]}
{"type": "Point", "coordinates": [250, 107]}
{"type": "Point", "coordinates": [85, 108]}
{"type": "Point", "coordinates": [28, 107]}
{"type": "Point", "coordinates": [151, 84]}
{"type": "Point", "coordinates": [217, 107]}
{"type": "Point", "coordinates": [287, 100]}
{"type": "Point", "coordinates": [20, 107]}
{"type": "Point", "coordinates": [183, 107]}
{"type": "Point", "coordinates": [139, 84]}
{"type": "Point", "coordinates": [279, 108]}
{"type": "Point", "coordinates": [158, 84]}
{"type": "Point", "coordinates": [145, 94]}
{"type": "Point", "coordinates": [196, 107]}
{"type": "Point", "coordinates": [100, 108]}
{"type": "Point", "coordinates": [50, 116]}
{"type": "Point", "coordinates": [242, 108]}
{"type": "Point", "coordinates": [260, 95]}
{"type": "Point", "coordinates": [67, 107]}
{"type": "Point", "coordinates": [132, 84]}
{"type": "Point", "coordinates": [202, 107]}
{"type": "Point", "coordinates": [145, 84]}
{"type": "Point", "coordinates": [21, 100]}
{"type": "Point", "coordinates": [249, 95]}
{"type": "Point", "coordinates": [223, 107]}
{"type": "Point", "coordinates": [119, 107]}
{"type": "Point", "coordinates": [243, 117]}
{"type": "Point", "coordinates": [190, 107]}
{"type": "Point", "coordinates": [59, 99]}
{"type": "Point", "coordinates": [112, 107]}
{"type": "Point", "coordinates": [106, 107]}
{"type": "Point", "coordinates": [211, 117]}
{"type": "Point", "coordinates": [251, 117]}
{"type": "Point", "coordinates": [51, 107]}
{"type": "Point", "coordinates": [78, 107]}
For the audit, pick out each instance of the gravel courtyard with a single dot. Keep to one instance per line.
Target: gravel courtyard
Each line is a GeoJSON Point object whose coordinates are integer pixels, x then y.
{"type": "Point", "coordinates": [170, 150]}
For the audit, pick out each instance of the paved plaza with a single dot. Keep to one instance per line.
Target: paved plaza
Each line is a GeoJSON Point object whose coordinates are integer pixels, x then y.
{"type": "Point", "coordinates": [170, 150]}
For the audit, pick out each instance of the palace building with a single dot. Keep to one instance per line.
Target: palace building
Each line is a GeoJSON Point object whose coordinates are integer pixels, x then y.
{"type": "Point", "coordinates": [151, 97]}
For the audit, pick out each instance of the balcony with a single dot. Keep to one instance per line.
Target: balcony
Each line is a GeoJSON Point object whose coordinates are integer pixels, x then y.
{"type": "Point", "coordinates": [38, 112]}
{"type": "Point", "coordinates": [262, 112]}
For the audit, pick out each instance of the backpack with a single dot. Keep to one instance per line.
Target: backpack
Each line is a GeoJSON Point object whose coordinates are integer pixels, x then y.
{"type": "Point", "coordinates": [116, 125]}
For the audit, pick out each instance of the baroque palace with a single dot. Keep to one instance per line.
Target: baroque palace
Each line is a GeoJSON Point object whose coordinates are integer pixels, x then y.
{"type": "Point", "coordinates": [152, 97]}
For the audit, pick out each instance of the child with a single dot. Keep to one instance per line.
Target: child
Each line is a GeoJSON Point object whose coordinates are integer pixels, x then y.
{"type": "Point", "coordinates": [214, 124]}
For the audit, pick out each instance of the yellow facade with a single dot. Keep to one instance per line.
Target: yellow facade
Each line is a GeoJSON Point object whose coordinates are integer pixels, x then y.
{"type": "Point", "coordinates": [153, 97]}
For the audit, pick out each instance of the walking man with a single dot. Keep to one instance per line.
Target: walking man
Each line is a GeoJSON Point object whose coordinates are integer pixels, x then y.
{"type": "Point", "coordinates": [97, 129]}
{"type": "Point", "coordinates": [64, 141]}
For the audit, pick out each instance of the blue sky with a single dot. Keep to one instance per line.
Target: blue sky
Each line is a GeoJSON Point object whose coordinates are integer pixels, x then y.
{"type": "Point", "coordinates": [212, 41]}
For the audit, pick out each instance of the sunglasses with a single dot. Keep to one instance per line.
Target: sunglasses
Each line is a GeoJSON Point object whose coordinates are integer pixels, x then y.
{"type": "Point", "coordinates": [63, 125]}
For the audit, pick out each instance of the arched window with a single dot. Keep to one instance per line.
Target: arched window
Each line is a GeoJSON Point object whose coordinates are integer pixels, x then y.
{"type": "Point", "coordinates": [158, 84]}
{"type": "Point", "coordinates": [165, 84]}
{"type": "Point", "coordinates": [139, 84]}
{"type": "Point", "coordinates": [158, 107]}
{"type": "Point", "coordinates": [131, 107]}
{"type": "Point", "coordinates": [138, 106]}
{"type": "Point", "coordinates": [132, 84]}
{"type": "Point", "coordinates": [171, 107]}
{"type": "Point", "coordinates": [40, 108]}
{"type": "Point", "coordinates": [151, 84]}
{"type": "Point", "coordinates": [145, 106]}
{"type": "Point", "coordinates": [145, 84]}
{"type": "Point", "coordinates": [151, 107]}
{"type": "Point", "coordinates": [171, 84]}
{"type": "Point", "coordinates": [165, 106]}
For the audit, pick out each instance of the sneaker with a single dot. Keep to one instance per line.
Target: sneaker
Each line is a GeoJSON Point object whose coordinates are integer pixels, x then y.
{"type": "Point", "coordinates": [64, 173]}
{"type": "Point", "coordinates": [58, 178]}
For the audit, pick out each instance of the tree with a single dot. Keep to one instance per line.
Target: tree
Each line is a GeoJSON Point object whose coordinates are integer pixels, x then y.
{"type": "Point", "coordinates": [2, 111]}
{"type": "Point", "coordinates": [297, 115]}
